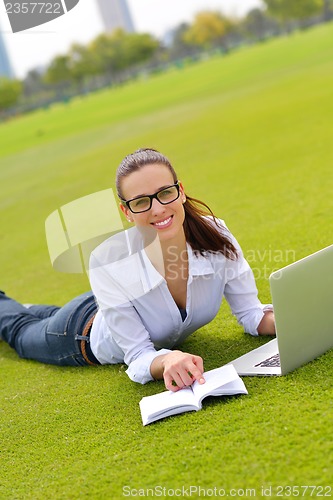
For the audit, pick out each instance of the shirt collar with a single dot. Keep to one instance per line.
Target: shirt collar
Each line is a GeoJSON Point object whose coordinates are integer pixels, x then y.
{"type": "Point", "coordinates": [199, 265]}
{"type": "Point", "coordinates": [150, 277]}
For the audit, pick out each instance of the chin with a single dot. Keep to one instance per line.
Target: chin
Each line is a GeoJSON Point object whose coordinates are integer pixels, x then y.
{"type": "Point", "coordinates": [170, 234]}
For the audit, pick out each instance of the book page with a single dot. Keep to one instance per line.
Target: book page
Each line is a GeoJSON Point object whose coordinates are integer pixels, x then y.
{"type": "Point", "coordinates": [167, 403]}
{"type": "Point", "coordinates": [215, 381]}
{"type": "Point", "coordinates": [234, 387]}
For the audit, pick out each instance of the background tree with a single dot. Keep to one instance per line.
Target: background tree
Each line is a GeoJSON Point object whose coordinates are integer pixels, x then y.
{"type": "Point", "coordinates": [327, 10]}
{"type": "Point", "coordinates": [10, 93]}
{"type": "Point", "coordinates": [119, 50]}
{"type": "Point", "coordinates": [177, 47]}
{"type": "Point", "coordinates": [81, 63]}
{"type": "Point", "coordinates": [138, 48]}
{"type": "Point", "coordinates": [258, 25]}
{"type": "Point", "coordinates": [103, 50]}
{"type": "Point", "coordinates": [33, 83]}
{"type": "Point", "coordinates": [292, 10]}
{"type": "Point", "coordinates": [59, 70]}
{"type": "Point", "coordinates": [106, 54]}
{"type": "Point", "coordinates": [208, 29]}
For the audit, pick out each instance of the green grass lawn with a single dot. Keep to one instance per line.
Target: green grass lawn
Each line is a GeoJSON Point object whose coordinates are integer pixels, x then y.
{"type": "Point", "coordinates": [250, 133]}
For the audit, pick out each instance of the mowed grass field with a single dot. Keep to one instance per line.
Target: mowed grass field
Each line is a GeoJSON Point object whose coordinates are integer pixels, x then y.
{"type": "Point", "coordinates": [250, 134]}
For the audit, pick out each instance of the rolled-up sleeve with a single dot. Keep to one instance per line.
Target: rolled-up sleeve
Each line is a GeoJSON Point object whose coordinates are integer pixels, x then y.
{"type": "Point", "coordinates": [130, 335]}
{"type": "Point", "coordinates": [126, 335]}
{"type": "Point", "coordinates": [139, 369]}
{"type": "Point", "coordinates": [242, 294]}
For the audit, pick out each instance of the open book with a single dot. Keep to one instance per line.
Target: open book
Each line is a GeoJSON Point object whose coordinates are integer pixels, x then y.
{"type": "Point", "coordinates": [223, 381]}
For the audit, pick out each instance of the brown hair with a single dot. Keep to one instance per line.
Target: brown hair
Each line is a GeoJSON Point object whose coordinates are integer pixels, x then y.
{"type": "Point", "coordinates": [201, 232]}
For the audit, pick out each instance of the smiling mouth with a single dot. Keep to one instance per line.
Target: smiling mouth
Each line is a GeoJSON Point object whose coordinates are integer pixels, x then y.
{"type": "Point", "coordinates": [163, 223]}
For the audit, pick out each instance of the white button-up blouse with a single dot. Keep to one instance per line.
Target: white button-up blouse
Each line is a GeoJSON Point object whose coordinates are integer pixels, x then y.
{"type": "Point", "coordinates": [137, 317]}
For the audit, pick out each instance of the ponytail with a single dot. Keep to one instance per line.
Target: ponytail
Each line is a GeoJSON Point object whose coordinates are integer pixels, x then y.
{"type": "Point", "coordinates": [203, 232]}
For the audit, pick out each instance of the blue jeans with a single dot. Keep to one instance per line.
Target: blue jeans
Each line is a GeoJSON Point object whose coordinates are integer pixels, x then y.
{"type": "Point", "coordinates": [47, 333]}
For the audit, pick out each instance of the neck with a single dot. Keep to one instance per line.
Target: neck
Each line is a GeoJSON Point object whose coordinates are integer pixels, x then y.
{"type": "Point", "coordinates": [175, 260]}
{"type": "Point", "coordinates": [174, 249]}
{"type": "Point", "coordinates": [165, 255]}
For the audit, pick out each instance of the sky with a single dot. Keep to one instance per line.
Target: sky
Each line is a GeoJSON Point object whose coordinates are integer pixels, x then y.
{"type": "Point", "coordinates": [37, 46]}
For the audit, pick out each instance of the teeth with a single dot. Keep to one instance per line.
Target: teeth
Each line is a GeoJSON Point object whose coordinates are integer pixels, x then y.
{"type": "Point", "coordinates": [166, 221]}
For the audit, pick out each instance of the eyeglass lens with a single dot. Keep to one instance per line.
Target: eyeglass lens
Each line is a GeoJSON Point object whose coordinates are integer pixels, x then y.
{"type": "Point", "coordinates": [165, 196]}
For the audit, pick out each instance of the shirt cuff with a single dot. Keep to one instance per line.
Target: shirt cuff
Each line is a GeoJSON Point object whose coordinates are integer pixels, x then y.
{"type": "Point", "coordinates": [266, 308]}
{"type": "Point", "coordinates": [139, 369]}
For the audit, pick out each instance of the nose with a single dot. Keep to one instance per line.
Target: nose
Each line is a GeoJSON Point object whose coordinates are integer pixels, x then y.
{"type": "Point", "coordinates": [157, 208]}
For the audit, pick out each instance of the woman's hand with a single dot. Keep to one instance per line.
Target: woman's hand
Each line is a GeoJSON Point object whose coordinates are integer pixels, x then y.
{"type": "Point", "coordinates": [178, 369]}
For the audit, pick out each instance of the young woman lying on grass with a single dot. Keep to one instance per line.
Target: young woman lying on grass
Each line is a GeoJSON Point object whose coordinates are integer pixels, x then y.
{"type": "Point", "coordinates": [152, 286]}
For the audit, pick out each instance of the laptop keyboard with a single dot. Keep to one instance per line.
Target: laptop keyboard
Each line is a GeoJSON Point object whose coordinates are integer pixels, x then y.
{"type": "Point", "coordinates": [272, 361]}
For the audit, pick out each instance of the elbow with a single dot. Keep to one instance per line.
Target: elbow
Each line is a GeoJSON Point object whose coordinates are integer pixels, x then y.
{"type": "Point", "coordinates": [267, 324]}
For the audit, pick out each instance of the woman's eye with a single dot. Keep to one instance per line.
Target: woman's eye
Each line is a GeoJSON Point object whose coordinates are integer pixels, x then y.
{"type": "Point", "coordinates": [140, 201]}
{"type": "Point", "coordinates": [165, 192]}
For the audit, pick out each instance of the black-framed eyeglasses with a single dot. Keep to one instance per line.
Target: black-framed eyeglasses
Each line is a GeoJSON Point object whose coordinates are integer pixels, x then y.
{"type": "Point", "coordinates": [143, 203]}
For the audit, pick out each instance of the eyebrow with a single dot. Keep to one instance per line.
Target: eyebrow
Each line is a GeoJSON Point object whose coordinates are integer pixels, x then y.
{"type": "Point", "coordinates": [160, 189]}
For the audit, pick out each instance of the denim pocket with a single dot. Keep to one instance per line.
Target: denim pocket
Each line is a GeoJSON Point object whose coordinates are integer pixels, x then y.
{"type": "Point", "coordinates": [58, 325]}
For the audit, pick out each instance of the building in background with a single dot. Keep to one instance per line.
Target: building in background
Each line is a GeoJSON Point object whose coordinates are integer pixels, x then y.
{"type": "Point", "coordinates": [115, 14]}
{"type": "Point", "coordinates": [5, 66]}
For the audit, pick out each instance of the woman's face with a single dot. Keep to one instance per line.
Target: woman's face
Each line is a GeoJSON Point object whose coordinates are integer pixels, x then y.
{"type": "Point", "coordinates": [168, 219]}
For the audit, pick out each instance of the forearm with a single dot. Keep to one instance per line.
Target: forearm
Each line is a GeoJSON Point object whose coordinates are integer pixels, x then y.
{"type": "Point", "coordinates": [178, 369]}
{"type": "Point", "coordinates": [157, 367]}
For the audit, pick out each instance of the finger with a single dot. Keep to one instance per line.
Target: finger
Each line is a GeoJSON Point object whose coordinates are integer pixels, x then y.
{"type": "Point", "coordinates": [173, 383]}
{"type": "Point", "coordinates": [187, 377]}
{"type": "Point", "coordinates": [197, 372]}
{"type": "Point", "coordinates": [198, 376]}
{"type": "Point", "coordinates": [198, 361]}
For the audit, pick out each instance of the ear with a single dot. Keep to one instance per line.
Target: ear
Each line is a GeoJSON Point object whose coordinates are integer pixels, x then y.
{"type": "Point", "coordinates": [182, 192]}
{"type": "Point", "coordinates": [126, 212]}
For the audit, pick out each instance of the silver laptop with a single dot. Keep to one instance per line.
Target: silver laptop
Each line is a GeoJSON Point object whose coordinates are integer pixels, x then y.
{"type": "Point", "coordinates": [302, 295]}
